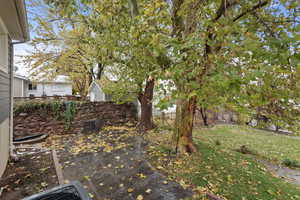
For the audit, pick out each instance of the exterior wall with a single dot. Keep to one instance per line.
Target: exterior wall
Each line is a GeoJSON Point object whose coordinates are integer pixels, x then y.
{"type": "Point", "coordinates": [96, 94]}
{"type": "Point", "coordinates": [50, 89]}
{"type": "Point", "coordinates": [4, 144]}
{"type": "Point", "coordinates": [5, 96]}
{"type": "Point", "coordinates": [18, 87]}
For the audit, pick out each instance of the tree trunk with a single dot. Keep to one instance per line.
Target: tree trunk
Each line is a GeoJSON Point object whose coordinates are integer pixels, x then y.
{"type": "Point", "coordinates": [99, 71]}
{"type": "Point", "coordinates": [204, 116]}
{"type": "Point", "coordinates": [91, 77]}
{"type": "Point", "coordinates": [185, 111]}
{"type": "Point", "coordinates": [145, 98]}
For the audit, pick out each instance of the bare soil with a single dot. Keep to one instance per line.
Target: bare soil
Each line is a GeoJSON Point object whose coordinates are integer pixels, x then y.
{"type": "Point", "coordinates": [29, 175]}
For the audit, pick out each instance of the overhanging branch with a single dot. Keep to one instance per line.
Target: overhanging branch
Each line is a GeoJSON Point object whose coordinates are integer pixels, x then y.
{"type": "Point", "coordinates": [249, 10]}
{"type": "Point", "coordinates": [225, 4]}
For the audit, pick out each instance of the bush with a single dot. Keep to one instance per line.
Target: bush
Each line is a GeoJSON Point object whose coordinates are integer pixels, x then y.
{"type": "Point", "coordinates": [58, 109]}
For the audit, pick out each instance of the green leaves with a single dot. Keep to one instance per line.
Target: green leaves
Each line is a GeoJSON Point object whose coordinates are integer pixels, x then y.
{"type": "Point", "coordinates": [249, 63]}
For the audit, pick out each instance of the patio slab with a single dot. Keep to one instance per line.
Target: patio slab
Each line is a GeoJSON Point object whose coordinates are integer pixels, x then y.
{"type": "Point", "coordinates": [112, 165]}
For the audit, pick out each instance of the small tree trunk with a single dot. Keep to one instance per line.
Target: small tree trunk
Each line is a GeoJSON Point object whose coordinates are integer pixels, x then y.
{"type": "Point", "coordinates": [145, 99]}
{"type": "Point", "coordinates": [99, 71]}
{"type": "Point", "coordinates": [204, 116]}
{"type": "Point", "coordinates": [90, 79]}
{"type": "Point", "coordinates": [185, 111]}
{"type": "Point", "coordinates": [163, 117]}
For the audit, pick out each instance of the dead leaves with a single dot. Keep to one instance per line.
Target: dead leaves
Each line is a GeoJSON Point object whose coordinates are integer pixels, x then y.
{"type": "Point", "coordinates": [148, 191]}
{"type": "Point", "coordinates": [130, 190]}
{"type": "Point", "coordinates": [142, 176]}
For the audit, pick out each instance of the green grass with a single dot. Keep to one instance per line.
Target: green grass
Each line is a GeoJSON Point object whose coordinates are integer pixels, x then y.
{"type": "Point", "coordinates": [234, 176]}
{"type": "Point", "coordinates": [268, 145]}
{"type": "Point", "coordinates": [227, 173]}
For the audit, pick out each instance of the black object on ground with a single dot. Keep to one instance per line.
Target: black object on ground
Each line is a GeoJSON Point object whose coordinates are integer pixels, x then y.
{"type": "Point", "coordinates": [71, 191]}
{"type": "Point", "coordinates": [94, 125]}
{"type": "Point", "coordinates": [30, 139]}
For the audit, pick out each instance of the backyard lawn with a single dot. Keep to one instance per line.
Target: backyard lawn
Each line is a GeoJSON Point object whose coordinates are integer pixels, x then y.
{"type": "Point", "coordinates": [218, 169]}
{"type": "Point", "coordinates": [269, 145]}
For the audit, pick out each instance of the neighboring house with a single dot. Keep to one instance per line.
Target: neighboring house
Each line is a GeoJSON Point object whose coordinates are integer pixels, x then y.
{"type": "Point", "coordinates": [19, 86]}
{"type": "Point", "coordinates": [96, 93]}
{"type": "Point", "coordinates": [23, 87]}
{"type": "Point", "coordinates": [13, 30]}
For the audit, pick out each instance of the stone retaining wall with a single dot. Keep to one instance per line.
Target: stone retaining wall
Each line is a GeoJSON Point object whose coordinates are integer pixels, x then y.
{"type": "Point", "coordinates": [43, 120]}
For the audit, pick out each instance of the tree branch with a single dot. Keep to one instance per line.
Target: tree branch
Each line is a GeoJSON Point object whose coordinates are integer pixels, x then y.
{"type": "Point", "coordinates": [249, 10]}
{"type": "Point", "coordinates": [225, 4]}
{"type": "Point", "coordinates": [272, 33]}
{"type": "Point", "coordinates": [133, 8]}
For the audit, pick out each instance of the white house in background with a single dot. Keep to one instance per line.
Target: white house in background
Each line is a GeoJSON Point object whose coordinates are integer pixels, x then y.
{"type": "Point", "coordinates": [24, 87]}
{"type": "Point", "coordinates": [19, 85]}
{"type": "Point", "coordinates": [95, 93]}
{"type": "Point", "coordinates": [13, 30]}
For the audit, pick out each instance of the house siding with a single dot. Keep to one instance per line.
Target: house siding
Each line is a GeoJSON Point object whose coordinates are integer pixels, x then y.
{"type": "Point", "coordinates": [13, 26]}
{"type": "Point", "coordinates": [18, 87]}
{"type": "Point", "coordinates": [96, 93]}
{"type": "Point", "coordinates": [5, 96]}
{"type": "Point", "coordinates": [50, 89]}
{"type": "Point", "coordinates": [4, 144]}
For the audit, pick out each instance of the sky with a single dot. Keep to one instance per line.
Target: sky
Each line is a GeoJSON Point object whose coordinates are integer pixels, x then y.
{"type": "Point", "coordinates": [21, 49]}
{"type": "Point", "coordinates": [25, 48]}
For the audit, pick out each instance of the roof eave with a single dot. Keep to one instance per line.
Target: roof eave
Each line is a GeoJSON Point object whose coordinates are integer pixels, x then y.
{"type": "Point", "coordinates": [22, 16]}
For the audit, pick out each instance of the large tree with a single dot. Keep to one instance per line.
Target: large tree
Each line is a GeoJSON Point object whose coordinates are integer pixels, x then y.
{"type": "Point", "coordinates": [198, 45]}
{"type": "Point", "coordinates": [208, 36]}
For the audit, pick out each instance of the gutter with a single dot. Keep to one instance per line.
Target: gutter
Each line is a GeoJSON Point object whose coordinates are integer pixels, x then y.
{"type": "Point", "coordinates": [22, 17]}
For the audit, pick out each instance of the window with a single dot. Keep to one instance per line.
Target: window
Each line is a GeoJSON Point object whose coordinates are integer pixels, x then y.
{"type": "Point", "coordinates": [32, 86]}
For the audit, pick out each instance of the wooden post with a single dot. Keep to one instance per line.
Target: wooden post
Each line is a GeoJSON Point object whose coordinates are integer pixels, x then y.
{"type": "Point", "coordinates": [58, 168]}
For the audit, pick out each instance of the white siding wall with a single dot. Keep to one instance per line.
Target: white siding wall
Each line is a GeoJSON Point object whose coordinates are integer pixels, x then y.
{"type": "Point", "coordinates": [3, 51]}
{"type": "Point", "coordinates": [50, 89]}
{"type": "Point", "coordinates": [96, 94]}
{"type": "Point", "coordinates": [4, 124]}
{"type": "Point", "coordinates": [18, 87]}
{"type": "Point", "coordinates": [4, 144]}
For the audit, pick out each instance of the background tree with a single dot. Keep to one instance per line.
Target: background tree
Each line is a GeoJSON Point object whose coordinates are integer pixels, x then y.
{"type": "Point", "coordinates": [64, 45]}
{"type": "Point", "coordinates": [131, 41]}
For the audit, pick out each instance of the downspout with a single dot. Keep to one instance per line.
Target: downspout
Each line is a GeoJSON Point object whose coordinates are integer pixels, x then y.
{"type": "Point", "coordinates": [11, 117]}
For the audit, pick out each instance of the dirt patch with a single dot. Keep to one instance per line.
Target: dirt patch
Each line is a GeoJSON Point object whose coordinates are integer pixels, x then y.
{"type": "Point", "coordinates": [51, 118]}
{"type": "Point", "coordinates": [30, 175]}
